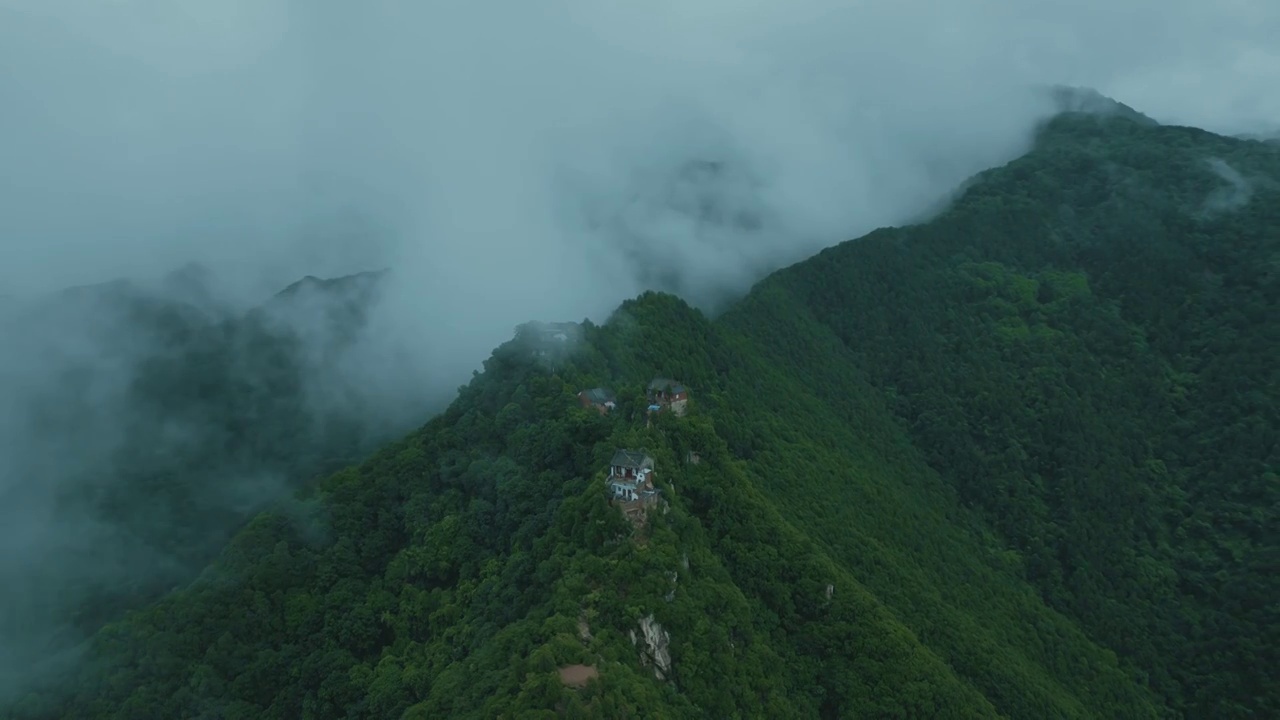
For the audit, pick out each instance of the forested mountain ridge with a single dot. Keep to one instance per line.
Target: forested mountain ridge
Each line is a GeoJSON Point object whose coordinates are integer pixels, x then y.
{"type": "Point", "coordinates": [1080, 347]}
{"type": "Point", "coordinates": [449, 575]}
{"type": "Point", "coordinates": [1018, 461]}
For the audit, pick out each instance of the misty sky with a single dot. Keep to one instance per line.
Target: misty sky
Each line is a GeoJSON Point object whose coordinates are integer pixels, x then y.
{"type": "Point", "coordinates": [520, 158]}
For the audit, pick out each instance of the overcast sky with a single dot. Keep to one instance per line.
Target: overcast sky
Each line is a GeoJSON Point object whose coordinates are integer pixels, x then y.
{"type": "Point", "coordinates": [519, 158]}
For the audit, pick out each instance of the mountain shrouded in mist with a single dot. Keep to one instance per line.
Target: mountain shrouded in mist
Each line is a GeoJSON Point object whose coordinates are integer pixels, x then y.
{"type": "Point", "coordinates": [143, 424]}
{"type": "Point", "coordinates": [1019, 460]}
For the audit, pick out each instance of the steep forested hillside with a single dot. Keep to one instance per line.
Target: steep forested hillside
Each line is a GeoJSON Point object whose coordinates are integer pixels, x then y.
{"type": "Point", "coordinates": [1083, 349]}
{"type": "Point", "coordinates": [1019, 461]}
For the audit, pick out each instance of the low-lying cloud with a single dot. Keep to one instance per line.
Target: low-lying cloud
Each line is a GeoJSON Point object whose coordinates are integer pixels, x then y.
{"type": "Point", "coordinates": [513, 161]}
{"type": "Point", "coordinates": [542, 158]}
{"type": "Point", "coordinates": [1235, 193]}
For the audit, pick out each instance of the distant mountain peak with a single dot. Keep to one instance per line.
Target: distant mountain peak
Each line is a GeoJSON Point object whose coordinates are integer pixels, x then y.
{"type": "Point", "coordinates": [1271, 137]}
{"type": "Point", "coordinates": [331, 310]}
{"type": "Point", "coordinates": [362, 281]}
{"type": "Point", "coordinates": [1074, 99]}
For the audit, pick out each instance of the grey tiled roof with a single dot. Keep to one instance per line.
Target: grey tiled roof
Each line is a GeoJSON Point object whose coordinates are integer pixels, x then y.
{"type": "Point", "coordinates": [599, 396]}
{"type": "Point", "coordinates": [631, 459]}
{"type": "Point", "coordinates": [667, 385]}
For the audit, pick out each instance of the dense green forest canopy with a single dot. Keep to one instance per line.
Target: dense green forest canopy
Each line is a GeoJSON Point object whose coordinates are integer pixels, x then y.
{"type": "Point", "coordinates": [1080, 348]}
{"type": "Point", "coordinates": [1018, 461]}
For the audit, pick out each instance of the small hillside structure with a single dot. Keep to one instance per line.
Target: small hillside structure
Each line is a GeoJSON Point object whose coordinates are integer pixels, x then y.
{"type": "Point", "coordinates": [557, 332]}
{"type": "Point", "coordinates": [550, 341]}
{"type": "Point", "coordinates": [631, 478]}
{"type": "Point", "coordinates": [601, 399]}
{"type": "Point", "coordinates": [630, 464]}
{"type": "Point", "coordinates": [668, 393]}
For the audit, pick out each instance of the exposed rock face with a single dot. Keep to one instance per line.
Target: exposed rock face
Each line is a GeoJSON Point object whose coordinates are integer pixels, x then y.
{"type": "Point", "coordinates": [656, 646]}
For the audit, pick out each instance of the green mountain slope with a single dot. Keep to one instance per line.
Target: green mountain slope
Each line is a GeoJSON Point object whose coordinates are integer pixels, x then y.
{"type": "Point", "coordinates": [1019, 461]}
{"type": "Point", "coordinates": [452, 570]}
{"type": "Point", "coordinates": [1081, 348]}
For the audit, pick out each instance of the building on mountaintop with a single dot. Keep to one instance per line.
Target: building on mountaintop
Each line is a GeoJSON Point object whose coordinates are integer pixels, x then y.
{"type": "Point", "coordinates": [667, 393]}
{"type": "Point", "coordinates": [550, 341]}
{"type": "Point", "coordinates": [631, 477]}
{"type": "Point", "coordinates": [601, 399]}
{"type": "Point", "coordinates": [630, 464]}
{"type": "Point", "coordinates": [559, 332]}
